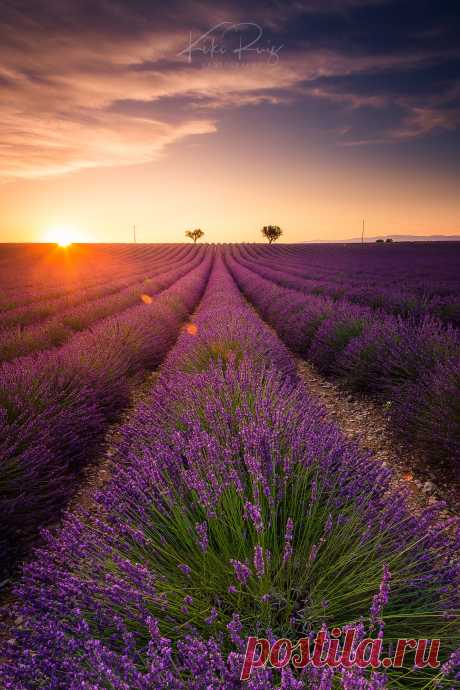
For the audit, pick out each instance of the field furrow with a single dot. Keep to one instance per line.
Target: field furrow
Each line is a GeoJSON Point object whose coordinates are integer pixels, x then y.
{"type": "Point", "coordinates": [32, 273]}
{"type": "Point", "coordinates": [411, 366]}
{"type": "Point", "coordinates": [41, 308]}
{"type": "Point", "coordinates": [399, 300]}
{"type": "Point", "coordinates": [56, 330]}
{"type": "Point", "coordinates": [232, 505]}
{"type": "Point", "coordinates": [56, 405]}
{"type": "Point", "coordinates": [220, 448]}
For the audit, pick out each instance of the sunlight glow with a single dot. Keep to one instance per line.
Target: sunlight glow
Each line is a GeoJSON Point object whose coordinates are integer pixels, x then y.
{"type": "Point", "coordinates": [61, 236]}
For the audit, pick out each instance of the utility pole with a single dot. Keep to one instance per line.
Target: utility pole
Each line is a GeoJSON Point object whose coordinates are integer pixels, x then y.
{"type": "Point", "coordinates": [134, 233]}
{"type": "Point", "coordinates": [362, 234]}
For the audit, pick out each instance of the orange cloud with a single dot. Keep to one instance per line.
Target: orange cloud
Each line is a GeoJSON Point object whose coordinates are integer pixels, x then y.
{"type": "Point", "coordinates": [58, 93]}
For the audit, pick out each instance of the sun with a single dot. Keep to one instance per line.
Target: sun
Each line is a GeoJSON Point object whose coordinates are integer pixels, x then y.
{"type": "Point", "coordinates": [61, 236]}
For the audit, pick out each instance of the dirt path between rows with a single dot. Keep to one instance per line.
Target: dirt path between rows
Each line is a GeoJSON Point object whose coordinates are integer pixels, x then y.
{"type": "Point", "coordinates": [96, 474]}
{"type": "Point", "coordinates": [365, 421]}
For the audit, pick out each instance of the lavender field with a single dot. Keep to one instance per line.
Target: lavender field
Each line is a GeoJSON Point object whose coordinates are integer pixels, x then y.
{"type": "Point", "coordinates": [170, 484]}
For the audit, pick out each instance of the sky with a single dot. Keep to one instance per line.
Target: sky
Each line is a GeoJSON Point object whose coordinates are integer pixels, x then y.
{"type": "Point", "coordinates": [228, 116]}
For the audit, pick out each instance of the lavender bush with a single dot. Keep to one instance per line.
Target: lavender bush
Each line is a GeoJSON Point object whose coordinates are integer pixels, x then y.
{"type": "Point", "coordinates": [55, 406]}
{"type": "Point", "coordinates": [390, 357]}
{"type": "Point", "coordinates": [66, 320]}
{"type": "Point", "coordinates": [409, 297]}
{"type": "Point", "coordinates": [233, 508]}
{"type": "Point", "coordinates": [46, 305]}
{"type": "Point", "coordinates": [37, 273]}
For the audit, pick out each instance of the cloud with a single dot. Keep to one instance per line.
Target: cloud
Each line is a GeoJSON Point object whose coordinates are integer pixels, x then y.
{"type": "Point", "coordinates": [102, 82]}
{"type": "Point", "coordinates": [36, 148]}
{"type": "Point", "coordinates": [423, 120]}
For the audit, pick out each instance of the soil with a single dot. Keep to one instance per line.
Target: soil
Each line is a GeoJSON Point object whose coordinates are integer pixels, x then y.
{"type": "Point", "coordinates": [366, 422]}
{"type": "Point", "coordinates": [98, 473]}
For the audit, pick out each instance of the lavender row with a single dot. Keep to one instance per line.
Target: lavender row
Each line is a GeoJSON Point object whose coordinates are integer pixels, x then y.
{"type": "Point", "coordinates": [413, 366]}
{"type": "Point", "coordinates": [55, 406]}
{"type": "Point", "coordinates": [409, 296]}
{"type": "Point", "coordinates": [41, 309]}
{"type": "Point", "coordinates": [55, 331]}
{"type": "Point", "coordinates": [396, 300]}
{"type": "Point", "coordinates": [27, 278]}
{"type": "Point", "coordinates": [426, 269]}
{"type": "Point", "coordinates": [55, 273]}
{"type": "Point", "coordinates": [233, 509]}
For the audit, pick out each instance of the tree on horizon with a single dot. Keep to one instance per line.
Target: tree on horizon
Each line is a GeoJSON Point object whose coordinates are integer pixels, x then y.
{"type": "Point", "coordinates": [271, 232]}
{"type": "Point", "coordinates": [194, 234]}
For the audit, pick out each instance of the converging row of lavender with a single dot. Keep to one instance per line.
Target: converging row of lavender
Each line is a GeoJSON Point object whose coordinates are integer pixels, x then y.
{"type": "Point", "coordinates": [410, 296]}
{"type": "Point", "coordinates": [54, 323]}
{"type": "Point", "coordinates": [234, 508]}
{"type": "Point", "coordinates": [410, 365]}
{"type": "Point", "coordinates": [45, 306]}
{"type": "Point", "coordinates": [423, 268]}
{"type": "Point", "coordinates": [56, 405]}
{"type": "Point", "coordinates": [33, 273]}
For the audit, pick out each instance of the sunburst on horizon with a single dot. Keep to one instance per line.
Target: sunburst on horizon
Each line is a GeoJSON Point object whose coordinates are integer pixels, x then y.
{"type": "Point", "coordinates": [61, 236]}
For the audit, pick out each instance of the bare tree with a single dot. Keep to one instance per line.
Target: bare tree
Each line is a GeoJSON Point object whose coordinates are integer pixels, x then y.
{"type": "Point", "coordinates": [271, 232]}
{"type": "Point", "coordinates": [194, 234]}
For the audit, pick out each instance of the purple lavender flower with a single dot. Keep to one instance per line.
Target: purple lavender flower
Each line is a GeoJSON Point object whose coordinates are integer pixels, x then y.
{"type": "Point", "coordinates": [212, 616]}
{"type": "Point", "coordinates": [184, 568]}
{"type": "Point", "coordinates": [252, 512]}
{"type": "Point", "coordinates": [381, 599]}
{"type": "Point", "coordinates": [452, 664]}
{"type": "Point", "coordinates": [80, 386]}
{"type": "Point", "coordinates": [235, 628]}
{"type": "Point", "coordinates": [242, 571]}
{"type": "Point", "coordinates": [259, 564]}
{"type": "Point", "coordinates": [202, 530]}
{"type": "Point", "coordinates": [188, 601]}
{"type": "Point", "coordinates": [287, 553]}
